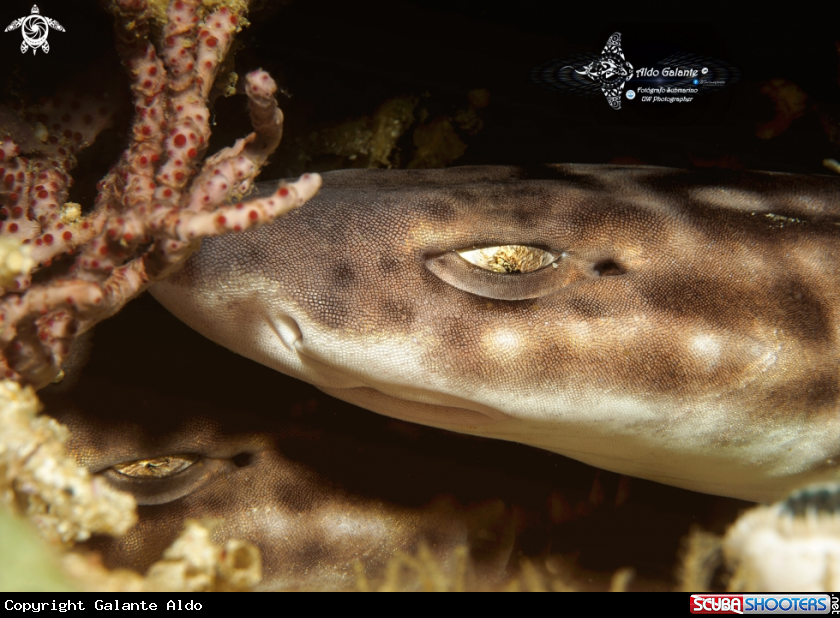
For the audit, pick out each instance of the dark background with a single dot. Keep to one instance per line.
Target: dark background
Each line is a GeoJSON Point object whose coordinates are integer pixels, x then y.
{"type": "Point", "coordinates": [337, 60]}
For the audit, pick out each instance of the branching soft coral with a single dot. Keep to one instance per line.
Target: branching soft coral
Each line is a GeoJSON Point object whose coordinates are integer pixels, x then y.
{"type": "Point", "coordinates": [63, 267]}
{"type": "Point", "coordinates": [154, 205]}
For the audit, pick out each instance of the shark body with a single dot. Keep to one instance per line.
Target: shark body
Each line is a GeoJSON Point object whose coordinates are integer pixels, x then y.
{"type": "Point", "coordinates": [679, 326]}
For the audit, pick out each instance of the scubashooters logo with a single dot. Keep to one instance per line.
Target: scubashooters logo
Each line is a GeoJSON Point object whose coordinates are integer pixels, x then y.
{"type": "Point", "coordinates": [675, 79]}
{"type": "Point", "coordinates": [797, 604]}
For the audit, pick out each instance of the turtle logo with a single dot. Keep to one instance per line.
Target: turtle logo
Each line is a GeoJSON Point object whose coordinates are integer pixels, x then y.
{"type": "Point", "coordinates": [35, 28]}
{"type": "Point", "coordinates": [610, 70]}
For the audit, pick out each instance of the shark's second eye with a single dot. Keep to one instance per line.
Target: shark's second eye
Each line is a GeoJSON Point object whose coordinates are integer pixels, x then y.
{"type": "Point", "coordinates": [509, 258]}
{"type": "Point", "coordinates": [156, 467]}
{"type": "Point", "coordinates": [162, 479]}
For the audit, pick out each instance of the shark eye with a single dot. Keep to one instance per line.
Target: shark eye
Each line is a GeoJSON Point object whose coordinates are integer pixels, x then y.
{"type": "Point", "coordinates": [509, 258]}
{"type": "Point", "coordinates": [158, 480]}
{"type": "Point", "coordinates": [156, 467]}
{"type": "Point", "coordinates": [502, 272]}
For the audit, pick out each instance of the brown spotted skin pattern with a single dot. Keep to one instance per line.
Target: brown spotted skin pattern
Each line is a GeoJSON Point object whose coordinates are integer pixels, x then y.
{"type": "Point", "coordinates": [688, 332]}
{"type": "Point", "coordinates": [314, 500]}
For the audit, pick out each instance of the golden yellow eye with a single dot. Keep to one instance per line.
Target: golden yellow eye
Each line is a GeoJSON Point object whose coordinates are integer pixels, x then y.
{"type": "Point", "coordinates": [156, 467]}
{"type": "Point", "coordinates": [509, 258]}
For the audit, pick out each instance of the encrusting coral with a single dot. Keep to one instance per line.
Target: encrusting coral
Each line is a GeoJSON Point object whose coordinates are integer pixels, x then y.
{"type": "Point", "coordinates": [193, 563]}
{"type": "Point", "coordinates": [39, 479]}
{"type": "Point", "coordinates": [65, 267]}
{"type": "Point", "coordinates": [790, 545]}
{"type": "Point", "coordinates": [793, 544]}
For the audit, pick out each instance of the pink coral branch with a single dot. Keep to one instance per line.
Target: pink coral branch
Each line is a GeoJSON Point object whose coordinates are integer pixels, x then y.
{"type": "Point", "coordinates": [155, 204]}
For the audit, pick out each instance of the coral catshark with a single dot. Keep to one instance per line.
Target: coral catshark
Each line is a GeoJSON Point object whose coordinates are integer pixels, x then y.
{"type": "Point", "coordinates": [680, 326]}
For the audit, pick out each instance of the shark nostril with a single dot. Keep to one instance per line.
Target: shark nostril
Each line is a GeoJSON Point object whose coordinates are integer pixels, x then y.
{"type": "Point", "coordinates": [287, 330]}
{"type": "Point", "coordinates": [242, 460]}
{"type": "Point", "coordinates": [608, 268]}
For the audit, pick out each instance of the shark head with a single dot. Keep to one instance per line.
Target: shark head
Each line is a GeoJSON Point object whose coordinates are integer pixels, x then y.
{"type": "Point", "coordinates": [673, 325]}
{"type": "Point", "coordinates": [313, 497]}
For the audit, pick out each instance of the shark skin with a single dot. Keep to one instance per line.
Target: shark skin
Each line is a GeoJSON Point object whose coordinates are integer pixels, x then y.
{"type": "Point", "coordinates": [301, 475]}
{"type": "Point", "coordinates": [313, 500]}
{"type": "Point", "coordinates": [683, 326]}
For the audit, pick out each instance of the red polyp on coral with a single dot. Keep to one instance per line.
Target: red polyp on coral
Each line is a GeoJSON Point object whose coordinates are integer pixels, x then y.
{"type": "Point", "coordinates": [154, 205]}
